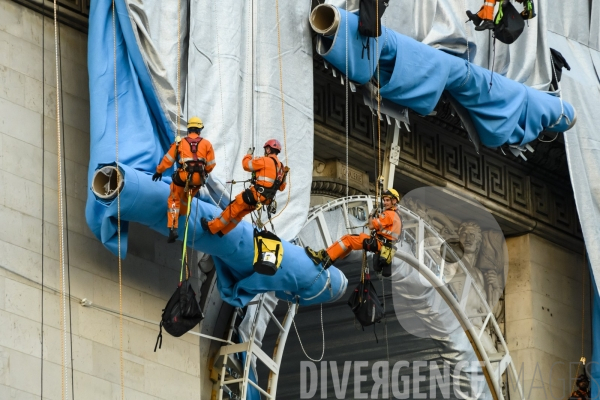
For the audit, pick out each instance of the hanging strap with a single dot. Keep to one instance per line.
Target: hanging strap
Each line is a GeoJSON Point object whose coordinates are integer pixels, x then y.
{"type": "Point", "coordinates": [159, 338]}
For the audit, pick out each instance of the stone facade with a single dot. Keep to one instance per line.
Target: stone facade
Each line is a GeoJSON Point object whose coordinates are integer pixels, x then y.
{"type": "Point", "coordinates": [544, 315]}
{"type": "Point", "coordinates": [30, 335]}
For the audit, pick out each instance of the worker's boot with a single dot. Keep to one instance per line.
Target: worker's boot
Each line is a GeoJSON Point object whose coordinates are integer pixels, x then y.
{"type": "Point", "coordinates": [474, 17]}
{"type": "Point", "coordinates": [173, 235]}
{"type": "Point", "coordinates": [316, 256]}
{"type": "Point", "coordinates": [486, 24]}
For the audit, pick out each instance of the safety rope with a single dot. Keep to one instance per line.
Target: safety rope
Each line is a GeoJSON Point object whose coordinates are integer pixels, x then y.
{"type": "Point", "coordinates": [300, 340]}
{"type": "Point", "coordinates": [379, 165]}
{"type": "Point", "coordinates": [122, 372]}
{"type": "Point", "coordinates": [347, 122]}
{"type": "Point", "coordinates": [468, 50]}
{"type": "Point", "coordinates": [61, 257]}
{"type": "Point", "coordinates": [289, 175]}
{"type": "Point", "coordinates": [43, 207]}
{"type": "Point", "coordinates": [222, 124]}
{"type": "Point", "coordinates": [385, 330]}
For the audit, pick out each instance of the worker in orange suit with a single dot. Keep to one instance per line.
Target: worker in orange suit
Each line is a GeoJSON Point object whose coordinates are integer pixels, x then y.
{"type": "Point", "coordinates": [385, 231]}
{"type": "Point", "coordinates": [484, 19]}
{"type": "Point", "coordinates": [195, 159]}
{"type": "Point", "coordinates": [268, 176]}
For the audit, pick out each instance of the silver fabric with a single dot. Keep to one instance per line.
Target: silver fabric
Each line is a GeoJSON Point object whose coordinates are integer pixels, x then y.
{"type": "Point", "coordinates": [155, 27]}
{"type": "Point", "coordinates": [216, 85]}
{"type": "Point", "coordinates": [220, 92]}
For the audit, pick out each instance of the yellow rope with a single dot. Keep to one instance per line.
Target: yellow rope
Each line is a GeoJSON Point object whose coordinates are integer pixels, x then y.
{"type": "Point", "coordinates": [282, 110]}
{"type": "Point", "coordinates": [61, 256]}
{"type": "Point", "coordinates": [122, 372]}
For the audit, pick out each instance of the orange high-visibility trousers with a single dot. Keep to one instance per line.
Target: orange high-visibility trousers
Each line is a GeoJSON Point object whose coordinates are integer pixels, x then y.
{"type": "Point", "coordinates": [231, 216]}
{"type": "Point", "coordinates": [487, 11]}
{"type": "Point", "coordinates": [346, 244]}
{"type": "Point", "coordinates": [177, 204]}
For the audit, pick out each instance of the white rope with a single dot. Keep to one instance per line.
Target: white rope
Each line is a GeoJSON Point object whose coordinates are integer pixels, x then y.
{"type": "Point", "coordinates": [322, 333]}
{"type": "Point", "coordinates": [347, 124]}
{"type": "Point", "coordinates": [121, 362]}
{"type": "Point", "coordinates": [61, 241]}
{"type": "Point", "coordinates": [227, 171]}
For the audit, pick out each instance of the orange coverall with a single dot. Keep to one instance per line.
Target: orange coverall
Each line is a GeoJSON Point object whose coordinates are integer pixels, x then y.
{"type": "Point", "coordinates": [388, 225]}
{"type": "Point", "coordinates": [487, 11]}
{"type": "Point", "coordinates": [266, 173]}
{"type": "Point", "coordinates": [177, 202]}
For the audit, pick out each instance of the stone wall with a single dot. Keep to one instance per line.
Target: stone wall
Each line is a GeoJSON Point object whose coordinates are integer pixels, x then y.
{"type": "Point", "coordinates": [544, 315]}
{"type": "Point", "coordinates": [30, 334]}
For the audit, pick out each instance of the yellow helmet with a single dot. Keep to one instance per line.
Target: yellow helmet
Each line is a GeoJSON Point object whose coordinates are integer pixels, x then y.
{"type": "Point", "coordinates": [195, 122]}
{"type": "Point", "coordinates": [391, 192]}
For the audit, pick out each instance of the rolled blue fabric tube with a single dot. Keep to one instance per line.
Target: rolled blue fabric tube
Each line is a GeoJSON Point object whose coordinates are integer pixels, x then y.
{"type": "Point", "coordinates": [145, 202]}
{"type": "Point", "coordinates": [415, 75]}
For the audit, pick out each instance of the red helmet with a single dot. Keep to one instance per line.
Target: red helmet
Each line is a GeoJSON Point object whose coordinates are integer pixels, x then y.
{"type": "Point", "coordinates": [274, 144]}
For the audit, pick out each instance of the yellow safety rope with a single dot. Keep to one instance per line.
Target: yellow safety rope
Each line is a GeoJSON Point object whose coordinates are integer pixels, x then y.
{"type": "Point", "coordinates": [289, 180]}
{"type": "Point", "coordinates": [61, 256]}
{"type": "Point", "coordinates": [122, 373]}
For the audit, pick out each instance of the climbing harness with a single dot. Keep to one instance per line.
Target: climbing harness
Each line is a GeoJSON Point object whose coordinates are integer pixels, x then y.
{"type": "Point", "coordinates": [269, 192]}
{"type": "Point", "coordinates": [196, 174]}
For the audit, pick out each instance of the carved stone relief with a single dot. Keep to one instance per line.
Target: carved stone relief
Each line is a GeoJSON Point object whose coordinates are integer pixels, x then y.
{"type": "Point", "coordinates": [485, 257]}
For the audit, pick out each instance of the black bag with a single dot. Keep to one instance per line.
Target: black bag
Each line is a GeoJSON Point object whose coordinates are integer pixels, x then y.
{"type": "Point", "coordinates": [365, 303]}
{"type": "Point", "coordinates": [559, 63]}
{"type": "Point", "coordinates": [509, 24]}
{"type": "Point", "coordinates": [368, 20]}
{"type": "Point", "coordinates": [181, 313]}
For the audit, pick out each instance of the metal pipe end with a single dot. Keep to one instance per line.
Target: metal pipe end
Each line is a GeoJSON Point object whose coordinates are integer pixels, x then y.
{"type": "Point", "coordinates": [325, 19]}
{"type": "Point", "coordinates": [107, 182]}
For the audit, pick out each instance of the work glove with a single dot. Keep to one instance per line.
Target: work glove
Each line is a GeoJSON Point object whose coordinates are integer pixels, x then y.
{"type": "Point", "coordinates": [250, 150]}
{"type": "Point", "coordinates": [157, 177]}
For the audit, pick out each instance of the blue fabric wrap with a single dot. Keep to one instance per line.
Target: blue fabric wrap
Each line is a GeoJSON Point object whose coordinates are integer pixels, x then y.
{"type": "Point", "coordinates": [414, 75]}
{"type": "Point", "coordinates": [143, 139]}
{"type": "Point", "coordinates": [144, 201]}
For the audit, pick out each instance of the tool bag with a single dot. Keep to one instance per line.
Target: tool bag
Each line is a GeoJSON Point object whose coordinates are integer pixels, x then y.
{"type": "Point", "coordinates": [181, 313]}
{"type": "Point", "coordinates": [508, 24]}
{"type": "Point", "coordinates": [268, 252]}
{"type": "Point", "coordinates": [368, 20]}
{"type": "Point", "coordinates": [382, 261]}
{"type": "Point", "coordinates": [364, 302]}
